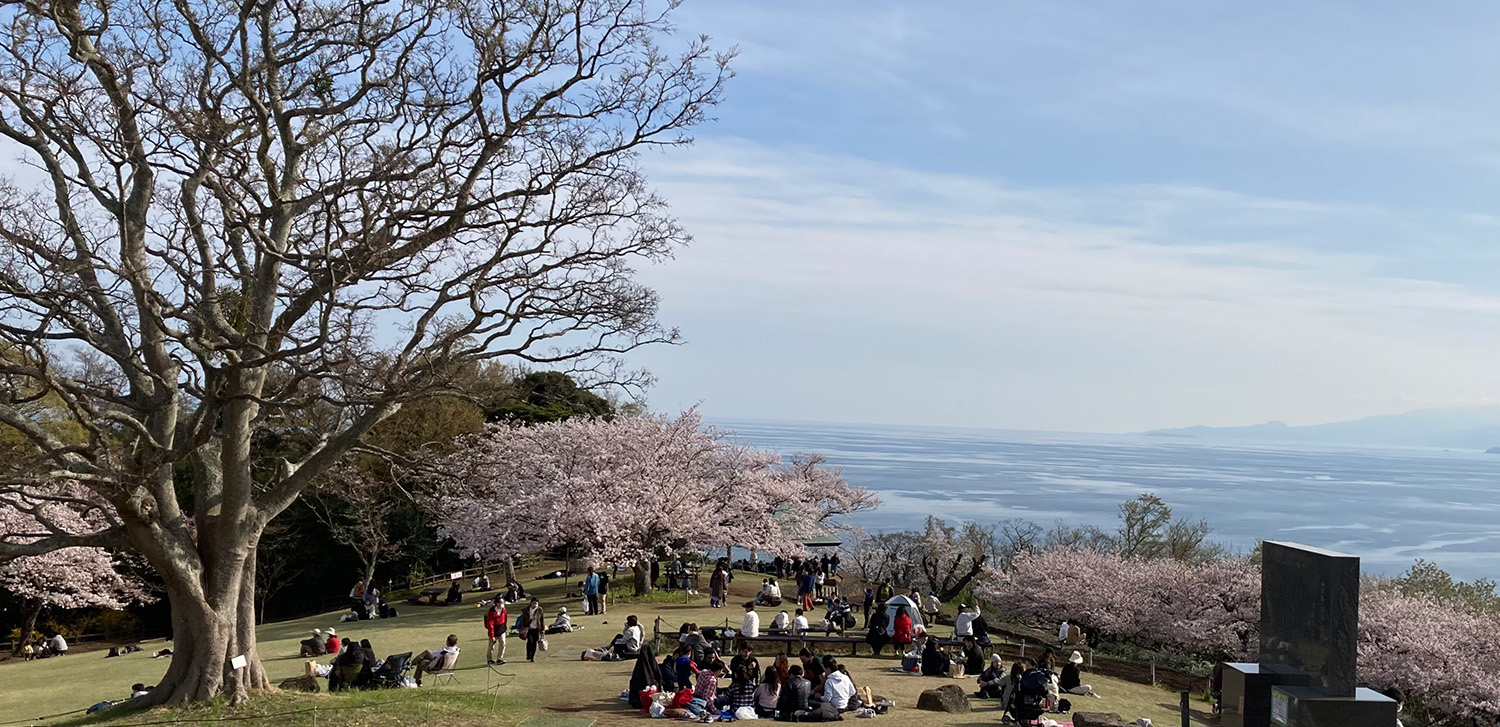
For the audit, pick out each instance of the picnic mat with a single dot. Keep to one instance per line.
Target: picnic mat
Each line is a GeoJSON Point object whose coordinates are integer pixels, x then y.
{"type": "Point", "coordinates": [537, 721]}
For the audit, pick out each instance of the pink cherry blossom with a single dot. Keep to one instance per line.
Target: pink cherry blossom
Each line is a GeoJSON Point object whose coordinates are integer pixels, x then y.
{"type": "Point", "coordinates": [634, 488]}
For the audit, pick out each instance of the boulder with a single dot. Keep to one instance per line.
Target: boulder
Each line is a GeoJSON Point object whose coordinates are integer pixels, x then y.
{"type": "Point", "coordinates": [947, 698]}
{"type": "Point", "coordinates": [304, 683]}
{"type": "Point", "coordinates": [1099, 719]}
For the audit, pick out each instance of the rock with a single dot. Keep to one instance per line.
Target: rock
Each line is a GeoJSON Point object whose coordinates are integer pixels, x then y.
{"type": "Point", "coordinates": [947, 698]}
{"type": "Point", "coordinates": [1099, 719]}
{"type": "Point", "coordinates": [303, 683]}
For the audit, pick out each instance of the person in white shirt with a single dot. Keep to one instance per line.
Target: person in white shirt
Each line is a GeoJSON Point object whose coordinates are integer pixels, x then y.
{"type": "Point", "coordinates": [628, 643]}
{"type": "Point", "coordinates": [59, 645]}
{"type": "Point", "coordinates": [779, 623]}
{"type": "Point", "coordinates": [1062, 633]}
{"type": "Point", "coordinates": [562, 624]}
{"type": "Point", "coordinates": [750, 627]}
{"type": "Point", "coordinates": [431, 661]}
{"type": "Point", "coordinates": [838, 688]}
{"type": "Point", "coordinates": [931, 608]}
{"type": "Point", "coordinates": [799, 624]}
{"type": "Point", "coordinates": [963, 625]}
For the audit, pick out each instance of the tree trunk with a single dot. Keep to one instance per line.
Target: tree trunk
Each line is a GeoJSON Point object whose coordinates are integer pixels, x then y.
{"type": "Point", "coordinates": [211, 589]}
{"type": "Point", "coordinates": [28, 626]}
{"type": "Point", "coordinates": [510, 568]}
{"type": "Point", "coordinates": [642, 578]}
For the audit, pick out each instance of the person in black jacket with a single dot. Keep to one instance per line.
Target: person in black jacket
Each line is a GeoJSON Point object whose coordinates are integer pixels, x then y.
{"type": "Point", "coordinates": [647, 674]}
{"type": "Point", "coordinates": [992, 682]}
{"type": "Point", "coordinates": [794, 695]}
{"type": "Point", "coordinates": [934, 661]}
{"type": "Point", "coordinates": [877, 638]}
{"type": "Point", "coordinates": [973, 656]}
{"type": "Point", "coordinates": [1071, 680]}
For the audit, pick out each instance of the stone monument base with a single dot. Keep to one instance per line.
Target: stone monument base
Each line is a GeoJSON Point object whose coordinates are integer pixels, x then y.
{"type": "Point", "coordinates": [1312, 707]}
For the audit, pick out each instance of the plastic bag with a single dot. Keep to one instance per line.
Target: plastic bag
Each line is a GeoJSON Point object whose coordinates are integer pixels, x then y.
{"type": "Point", "coordinates": [541, 644]}
{"type": "Point", "coordinates": [657, 710]}
{"type": "Point", "coordinates": [745, 713]}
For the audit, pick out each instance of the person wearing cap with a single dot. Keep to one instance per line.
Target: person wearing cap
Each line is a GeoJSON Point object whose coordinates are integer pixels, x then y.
{"type": "Point", "coordinates": [332, 645]}
{"type": "Point", "coordinates": [1071, 680]}
{"type": "Point", "coordinates": [750, 626]}
{"type": "Point", "coordinates": [313, 645]}
{"type": "Point", "coordinates": [963, 624]}
{"type": "Point", "coordinates": [563, 623]}
{"type": "Point", "coordinates": [992, 681]}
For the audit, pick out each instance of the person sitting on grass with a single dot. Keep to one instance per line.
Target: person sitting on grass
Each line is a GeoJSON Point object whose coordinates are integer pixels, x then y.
{"type": "Point", "coordinates": [627, 644]}
{"type": "Point", "coordinates": [563, 624]}
{"type": "Point", "coordinates": [934, 662]}
{"type": "Point", "coordinates": [992, 681]}
{"type": "Point", "coordinates": [331, 646]}
{"type": "Point", "coordinates": [692, 637]}
{"type": "Point", "coordinates": [313, 645]}
{"type": "Point", "coordinates": [455, 594]}
{"type": "Point", "coordinates": [973, 656]}
{"type": "Point", "coordinates": [746, 660]}
{"type": "Point", "coordinates": [794, 696]}
{"type": "Point", "coordinates": [1071, 680]}
{"type": "Point", "coordinates": [430, 661]}
{"type": "Point", "coordinates": [682, 667]}
{"type": "Point", "coordinates": [741, 692]}
{"type": "Point", "coordinates": [482, 583]}
{"type": "Point", "coordinates": [706, 693]}
{"type": "Point", "coordinates": [766, 695]}
{"type": "Point", "coordinates": [838, 689]}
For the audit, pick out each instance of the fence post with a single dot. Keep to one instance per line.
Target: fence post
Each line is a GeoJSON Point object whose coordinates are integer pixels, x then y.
{"type": "Point", "coordinates": [1091, 658]}
{"type": "Point", "coordinates": [1153, 671]}
{"type": "Point", "coordinates": [1185, 709]}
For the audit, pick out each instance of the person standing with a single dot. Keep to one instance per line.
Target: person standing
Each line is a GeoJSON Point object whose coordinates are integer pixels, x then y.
{"type": "Point", "coordinates": [496, 622]}
{"type": "Point", "coordinates": [591, 591]}
{"type": "Point", "coordinates": [603, 593]}
{"type": "Point", "coordinates": [534, 627]}
{"type": "Point", "coordinates": [718, 587]}
{"type": "Point", "coordinates": [869, 603]}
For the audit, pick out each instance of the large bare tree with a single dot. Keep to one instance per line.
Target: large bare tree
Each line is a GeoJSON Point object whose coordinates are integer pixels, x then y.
{"type": "Point", "coordinates": [251, 220]}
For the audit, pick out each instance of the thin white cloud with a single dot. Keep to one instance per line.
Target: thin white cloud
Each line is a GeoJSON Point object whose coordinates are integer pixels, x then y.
{"type": "Point", "coordinates": [1206, 305]}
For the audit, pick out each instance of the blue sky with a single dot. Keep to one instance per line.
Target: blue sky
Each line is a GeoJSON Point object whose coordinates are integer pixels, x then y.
{"type": "Point", "coordinates": [1088, 216]}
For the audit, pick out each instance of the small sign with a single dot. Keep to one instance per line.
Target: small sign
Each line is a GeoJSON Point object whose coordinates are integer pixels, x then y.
{"type": "Point", "coordinates": [1280, 706]}
{"type": "Point", "coordinates": [457, 576]}
{"type": "Point", "coordinates": [238, 662]}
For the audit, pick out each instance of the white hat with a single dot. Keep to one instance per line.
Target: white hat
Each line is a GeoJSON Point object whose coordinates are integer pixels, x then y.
{"type": "Point", "coordinates": [564, 609]}
{"type": "Point", "coordinates": [318, 631]}
{"type": "Point", "coordinates": [1076, 658]}
{"type": "Point", "coordinates": [331, 632]}
{"type": "Point", "coordinates": [994, 657]}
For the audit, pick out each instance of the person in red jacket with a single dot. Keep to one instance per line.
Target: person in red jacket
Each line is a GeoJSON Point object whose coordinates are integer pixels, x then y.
{"type": "Point", "coordinates": [901, 630]}
{"type": "Point", "coordinates": [495, 622]}
{"type": "Point", "coordinates": [333, 643]}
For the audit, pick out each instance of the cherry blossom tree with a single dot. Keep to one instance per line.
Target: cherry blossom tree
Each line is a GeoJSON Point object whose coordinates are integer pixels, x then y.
{"type": "Point", "coordinates": [633, 489]}
{"type": "Point", "coordinates": [287, 219]}
{"type": "Point", "coordinates": [77, 577]}
{"type": "Point", "coordinates": [1446, 656]}
{"type": "Point", "coordinates": [1210, 608]}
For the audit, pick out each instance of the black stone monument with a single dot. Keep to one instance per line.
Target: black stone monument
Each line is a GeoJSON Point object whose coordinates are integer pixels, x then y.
{"type": "Point", "coordinates": [1309, 635]}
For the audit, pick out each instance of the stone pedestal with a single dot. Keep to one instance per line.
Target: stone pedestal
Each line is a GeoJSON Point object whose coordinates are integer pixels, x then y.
{"type": "Point", "coordinates": [1313, 707]}
{"type": "Point", "coordinates": [1246, 696]}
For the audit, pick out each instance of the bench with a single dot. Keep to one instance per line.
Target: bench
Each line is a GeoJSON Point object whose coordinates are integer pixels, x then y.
{"type": "Point", "coordinates": [431, 594]}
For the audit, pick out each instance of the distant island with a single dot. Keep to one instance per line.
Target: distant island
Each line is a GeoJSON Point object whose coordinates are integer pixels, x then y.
{"type": "Point", "coordinates": [1472, 428]}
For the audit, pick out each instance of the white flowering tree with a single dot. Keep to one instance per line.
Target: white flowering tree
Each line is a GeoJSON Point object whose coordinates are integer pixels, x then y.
{"type": "Point", "coordinates": [635, 488]}
{"type": "Point", "coordinates": [69, 578]}
{"type": "Point", "coordinates": [277, 222]}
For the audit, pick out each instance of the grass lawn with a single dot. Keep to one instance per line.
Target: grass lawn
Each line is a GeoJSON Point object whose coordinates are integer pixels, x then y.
{"type": "Point", "coordinates": [556, 691]}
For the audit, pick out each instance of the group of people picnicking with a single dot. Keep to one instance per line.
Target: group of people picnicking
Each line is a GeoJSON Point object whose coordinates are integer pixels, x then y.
{"type": "Point", "coordinates": [686, 684]}
{"type": "Point", "coordinates": [41, 647]}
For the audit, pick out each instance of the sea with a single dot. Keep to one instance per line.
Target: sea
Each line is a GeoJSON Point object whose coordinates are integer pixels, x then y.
{"type": "Point", "coordinates": [1388, 506]}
